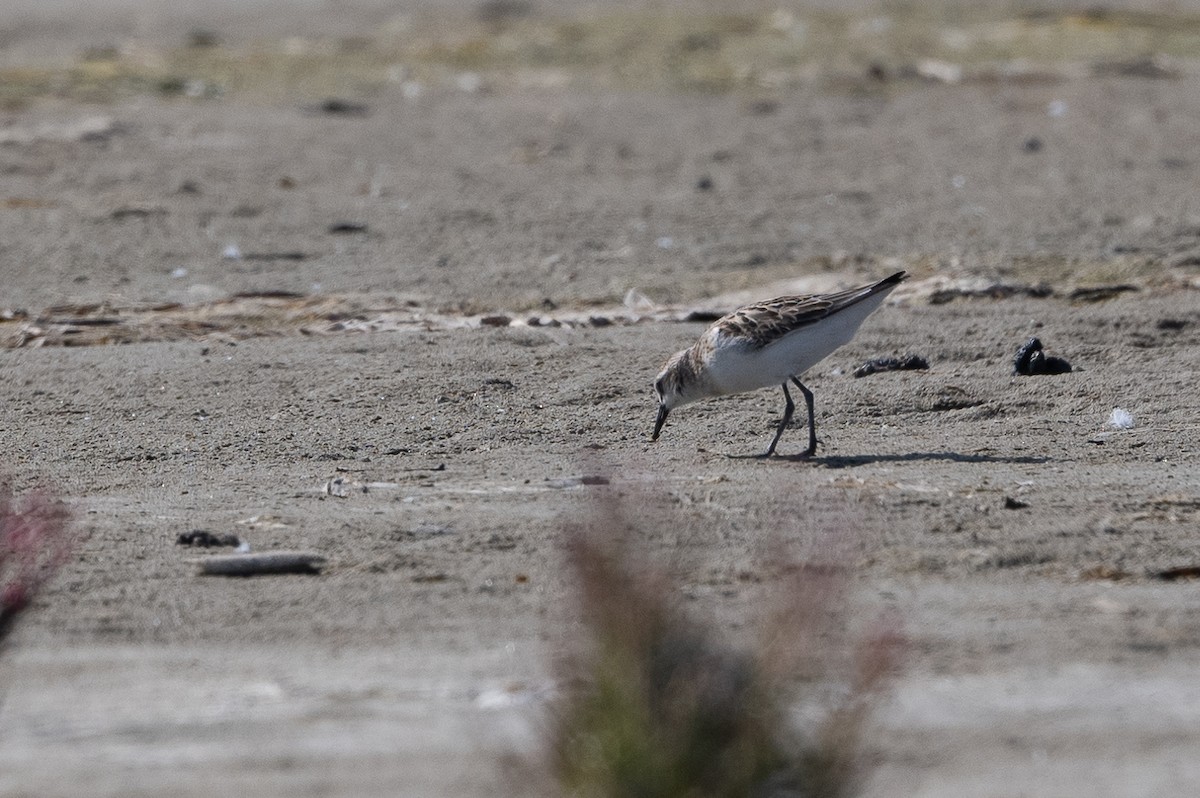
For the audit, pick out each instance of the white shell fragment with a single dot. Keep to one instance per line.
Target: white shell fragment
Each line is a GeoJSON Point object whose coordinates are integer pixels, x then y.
{"type": "Point", "coordinates": [1120, 418]}
{"type": "Point", "coordinates": [262, 562]}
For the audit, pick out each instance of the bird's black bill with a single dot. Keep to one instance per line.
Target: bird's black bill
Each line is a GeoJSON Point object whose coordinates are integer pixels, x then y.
{"type": "Point", "coordinates": [658, 424]}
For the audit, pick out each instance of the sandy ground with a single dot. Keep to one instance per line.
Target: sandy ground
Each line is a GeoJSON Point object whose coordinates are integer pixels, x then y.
{"type": "Point", "coordinates": [1016, 536]}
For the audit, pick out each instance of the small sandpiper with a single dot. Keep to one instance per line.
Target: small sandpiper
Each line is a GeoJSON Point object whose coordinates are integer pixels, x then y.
{"type": "Point", "coordinates": [768, 343]}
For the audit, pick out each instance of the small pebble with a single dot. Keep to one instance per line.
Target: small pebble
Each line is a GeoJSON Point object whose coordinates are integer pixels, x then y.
{"type": "Point", "coordinates": [200, 537]}
{"type": "Point", "coordinates": [342, 228]}
{"type": "Point", "coordinates": [906, 363]}
{"type": "Point", "coordinates": [1031, 360]}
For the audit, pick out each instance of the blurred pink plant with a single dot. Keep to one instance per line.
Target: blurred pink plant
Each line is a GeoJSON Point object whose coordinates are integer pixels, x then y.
{"type": "Point", "coordinates": [36, 539]}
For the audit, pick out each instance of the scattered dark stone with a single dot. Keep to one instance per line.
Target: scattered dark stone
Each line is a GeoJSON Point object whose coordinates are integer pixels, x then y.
{"type": "Point", "coordinates": [593, 479]}
{"type": "Point", "coordinates": [495, 321]}
{"type": "Point", "coordinates": [1174, 325]}
{"type": "Point", "coordinates": [879, 364]}
{"type": "Point", "coordinates": [344, 228]}
{"type": "Point", "coordinates": [1030, 360]}
{"type": "Point", "coordinates": [275, 256]}
{"type": "Point", "coordinates": [189, 187]}
{"type": "Point", "coordinates": [286, 182]}
{"type": "Point", "coordinates": [877, 72]}
{"type": "Point", "coordinates": [705, 183]}
{"type": "Point", "coordinates": [1180, 572]}
{"type": "Point", "coordinates": [121, 214]}
{"type": "Point", "coordinates": [549, 304]}
{"type": "Point", "coordinates": [172, 85]}
{"type": "Point", "coordinates": [269, 295]}
{"type": "Point", "coordinates": [1032, 144]}
{"type": "Point", "coordinates": [763, 107]}
{"type": "Point", "coordinates": [1100, 293]}
{"type": "Point", "coordinates": [600, 321]}
{"type": "Point", "coordinates": [703, 315]}
{"type": "Point", "coordinates": [720, 156]}
{"type": "Point", "coordinates": [1056, 365]}
{"type": "Point", "coordinates": [499, 382]}
{"type": "Point", "coordinates": [1014, 504]}
{"type": "Point", "coordinates": [338, 107]}
{"type": "Point", "coordinates": [203, 38]}
{"type": "Point", "coordinates": [1175, 163]}
{"type": "Point", "coordinates": [1021, 363]}
{"type": "Point", "coordinates": [200, 537]}
{"type": "Point", "coordinates": [244, 211]}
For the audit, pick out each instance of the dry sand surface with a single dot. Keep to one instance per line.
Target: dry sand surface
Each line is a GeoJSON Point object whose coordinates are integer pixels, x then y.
{"type": "Point", "coordinates": [418, 338]}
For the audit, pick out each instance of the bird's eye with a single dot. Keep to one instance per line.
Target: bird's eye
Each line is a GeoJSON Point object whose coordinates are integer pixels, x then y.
{"type": "Point", "coordinates": [658, 386]}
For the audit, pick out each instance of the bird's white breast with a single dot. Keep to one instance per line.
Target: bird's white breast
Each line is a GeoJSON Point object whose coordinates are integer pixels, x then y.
{"type": "Point", "coordinates": [734, 367]}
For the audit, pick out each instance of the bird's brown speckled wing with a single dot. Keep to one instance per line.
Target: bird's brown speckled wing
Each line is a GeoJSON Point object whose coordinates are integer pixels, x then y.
{"type": "Point", "coordinates": [763, 323]}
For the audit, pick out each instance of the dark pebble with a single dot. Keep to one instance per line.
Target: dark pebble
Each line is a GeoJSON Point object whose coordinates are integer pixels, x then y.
{"type": "Point", "coordinates": [199, 537]}
{"type": "Point", "coordinates": [1030, 360]}
{"type": "Point", "coordinates": [335, 107]}
{"type": "Point", "coordinates": [906, 363]}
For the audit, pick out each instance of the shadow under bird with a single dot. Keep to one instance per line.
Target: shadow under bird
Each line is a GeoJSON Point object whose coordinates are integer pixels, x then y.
{"type": "Point", "coordinates": [768, 343]}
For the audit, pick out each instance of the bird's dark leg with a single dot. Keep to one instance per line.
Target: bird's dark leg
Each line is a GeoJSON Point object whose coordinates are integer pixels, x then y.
{"type": "Point", "coordinates": [812, 420]}
{"type": "Point", "coordinates": [788, 409]}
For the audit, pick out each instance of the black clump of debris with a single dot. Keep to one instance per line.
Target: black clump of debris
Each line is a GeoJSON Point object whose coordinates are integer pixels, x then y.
{"type": "Point", "coordinates": [906, 363]}
{"type": "Point", "coordinates": [208, 540]}
{"type": "Point", "coordinates": [1031, 360]}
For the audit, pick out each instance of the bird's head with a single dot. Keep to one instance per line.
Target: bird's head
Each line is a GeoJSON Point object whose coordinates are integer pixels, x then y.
{"type": "Point", "coordinates": [673, 387]}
